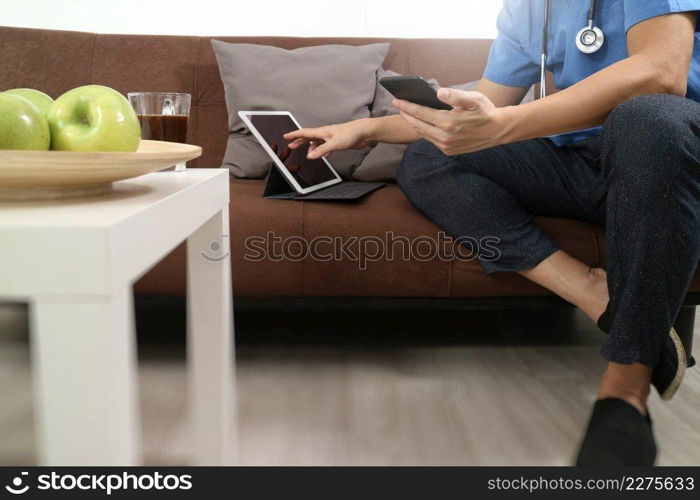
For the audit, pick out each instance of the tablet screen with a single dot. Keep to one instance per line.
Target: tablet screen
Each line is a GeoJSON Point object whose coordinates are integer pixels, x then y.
{"type": "Point", "coordinates": [306, 172]}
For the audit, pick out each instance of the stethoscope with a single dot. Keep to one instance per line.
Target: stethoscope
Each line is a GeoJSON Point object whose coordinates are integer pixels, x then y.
{"type": "Point", "coordinates": [588, 40]}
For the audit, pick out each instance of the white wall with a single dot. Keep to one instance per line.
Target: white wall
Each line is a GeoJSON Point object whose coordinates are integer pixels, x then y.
{"type": "Point", "coordinates": [400, 18]}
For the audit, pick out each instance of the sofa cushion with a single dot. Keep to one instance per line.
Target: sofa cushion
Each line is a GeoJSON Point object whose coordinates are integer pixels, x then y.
{"type": "Point", "coordinates": [260, 223]}
{"type": "Point", "coordinates": [319, 85]}
{"type": "Point", "coordinates": [47, 60]}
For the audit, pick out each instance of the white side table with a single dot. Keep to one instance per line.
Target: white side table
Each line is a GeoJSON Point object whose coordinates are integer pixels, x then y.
{"type": "Point", "coordinates": [75, 261]}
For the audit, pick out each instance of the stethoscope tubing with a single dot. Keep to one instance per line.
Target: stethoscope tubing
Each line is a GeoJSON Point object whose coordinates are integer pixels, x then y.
{"type": "Point", "coordinates": [545, 36]}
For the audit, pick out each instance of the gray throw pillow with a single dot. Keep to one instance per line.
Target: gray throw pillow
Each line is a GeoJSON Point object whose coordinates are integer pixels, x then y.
{"type": "Point", "coordinates": [382, 162]}
{"type": "Point", "coordinates": [320, 85]}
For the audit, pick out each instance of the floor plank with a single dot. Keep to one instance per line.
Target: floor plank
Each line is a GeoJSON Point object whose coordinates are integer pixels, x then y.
{"type": "Point", "coordinates": [486, 388]}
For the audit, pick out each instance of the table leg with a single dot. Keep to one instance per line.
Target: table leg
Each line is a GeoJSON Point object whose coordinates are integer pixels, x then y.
{"type": "Point", "coordinates": [210, 348]}
{"type": "Point", "coordinates": [84, 367]}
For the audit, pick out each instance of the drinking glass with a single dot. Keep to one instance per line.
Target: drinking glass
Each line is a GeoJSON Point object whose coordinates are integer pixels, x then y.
{"type": "Point", "coordinates": [163, 116]}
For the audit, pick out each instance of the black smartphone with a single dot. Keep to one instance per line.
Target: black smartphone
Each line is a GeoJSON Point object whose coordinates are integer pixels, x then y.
{"type": "Point", "coordinates": [413, 89]}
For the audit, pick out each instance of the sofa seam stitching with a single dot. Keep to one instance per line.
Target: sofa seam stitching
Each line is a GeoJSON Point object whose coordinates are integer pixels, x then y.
{"type": "Point", "coordinates": [194, 91]}
{"type": "Point", "coordinates": [303, 261]}
{"type": "Point", "coordinates": [92, 57]}
{"type": "Point", "coordinates": [407, 49]}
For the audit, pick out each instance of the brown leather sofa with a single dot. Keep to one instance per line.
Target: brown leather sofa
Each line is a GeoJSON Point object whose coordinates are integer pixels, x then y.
{"type": "Point", "coordinates": [56, 61]}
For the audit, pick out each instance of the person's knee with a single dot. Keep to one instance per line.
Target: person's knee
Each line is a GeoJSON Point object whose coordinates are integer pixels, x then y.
{"type": "Point", "coordinates": [641, 136]}
{"type": "Point", "coordinates": [643, 121]}
{"type": "Point", "coordinates": [418, 159]}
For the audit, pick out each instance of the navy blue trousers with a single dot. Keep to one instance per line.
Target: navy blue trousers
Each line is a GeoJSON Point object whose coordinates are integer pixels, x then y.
{"type": "Point", "coordinates": [640, 178]}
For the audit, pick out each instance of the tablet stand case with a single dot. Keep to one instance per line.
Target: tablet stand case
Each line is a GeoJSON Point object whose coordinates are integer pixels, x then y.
{"type": "Point", "coordinates": [277, 187]}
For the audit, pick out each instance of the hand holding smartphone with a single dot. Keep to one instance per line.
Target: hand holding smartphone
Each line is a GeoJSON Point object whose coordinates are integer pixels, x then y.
{"type": "Point", "coordinates": [413, 89]}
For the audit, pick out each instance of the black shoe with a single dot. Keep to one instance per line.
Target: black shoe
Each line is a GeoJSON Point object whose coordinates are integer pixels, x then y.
{"type": "Point", "coordinates": [670, 369]}
{"type": "Point", "coordinates": [617, 434]}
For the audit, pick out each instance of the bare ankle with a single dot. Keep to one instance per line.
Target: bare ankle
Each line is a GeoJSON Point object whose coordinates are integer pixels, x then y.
{"type": "Point", "coordinates": [573, 281]}
{"type": "Point", "coordinates": [599, 292]}
{"type": "Point", "coordinates": [592, 294]}
{"type": "Point", "coordinates": [640, 403]}
{"type": "Point", "coordinates": [631, 383]}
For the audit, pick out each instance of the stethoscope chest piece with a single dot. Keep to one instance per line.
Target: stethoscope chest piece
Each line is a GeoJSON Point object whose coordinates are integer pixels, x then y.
{"type": "Point", "coordinates": [589, 39]}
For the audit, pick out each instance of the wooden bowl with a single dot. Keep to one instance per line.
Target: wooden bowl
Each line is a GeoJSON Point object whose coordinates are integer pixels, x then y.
{"type": "Point", "coordinates": [61, 174]}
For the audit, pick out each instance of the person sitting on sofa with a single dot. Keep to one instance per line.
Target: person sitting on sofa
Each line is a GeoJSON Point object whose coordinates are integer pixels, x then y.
{"type": "Point", "coordinates": [487, 166]}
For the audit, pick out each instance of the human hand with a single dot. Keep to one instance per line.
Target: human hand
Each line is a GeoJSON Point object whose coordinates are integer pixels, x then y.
{"type": "Point", "coordinates": [324, 140]}
{"type": "Point", "coordinates": [474, 123]}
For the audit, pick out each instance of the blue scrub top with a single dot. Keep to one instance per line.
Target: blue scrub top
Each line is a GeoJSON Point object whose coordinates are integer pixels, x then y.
{"type": "Point", "coordinates": [514, 58]}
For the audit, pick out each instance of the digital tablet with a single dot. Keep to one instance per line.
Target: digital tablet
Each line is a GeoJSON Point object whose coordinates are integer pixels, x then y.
{"type": "Point", "coordinates": [303, 174]}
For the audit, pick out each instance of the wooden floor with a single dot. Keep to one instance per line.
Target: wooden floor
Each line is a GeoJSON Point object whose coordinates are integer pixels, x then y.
{"type": "Point", "coordinates": [467, 388]}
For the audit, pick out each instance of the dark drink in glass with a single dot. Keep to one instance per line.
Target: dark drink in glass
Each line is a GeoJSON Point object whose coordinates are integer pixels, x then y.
{"type": "Point", "coordinates": [163, 116]}
{"type": "Point", "coordinates": [172, 128]}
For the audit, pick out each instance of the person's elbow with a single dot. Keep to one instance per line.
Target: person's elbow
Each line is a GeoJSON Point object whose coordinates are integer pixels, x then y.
{"type": "Point", "coordinates": [667, 77]}
{"type": "Point", "coordinates": [672, 83]}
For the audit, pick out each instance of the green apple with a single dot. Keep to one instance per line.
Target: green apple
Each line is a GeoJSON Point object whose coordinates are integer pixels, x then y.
{"type": "Point", "coordinates": [22, 126]}
{"type": "Point", "coordinates": [36, 97]}
{"type": "Point", "coordinates": [93, 118]}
